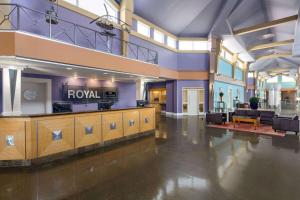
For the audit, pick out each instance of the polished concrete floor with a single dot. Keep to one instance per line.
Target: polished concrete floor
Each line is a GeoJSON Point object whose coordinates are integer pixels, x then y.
{"type": "Point", "coordinates": [183, 161]}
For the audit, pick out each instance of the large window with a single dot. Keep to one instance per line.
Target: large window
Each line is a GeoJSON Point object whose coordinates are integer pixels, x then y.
{"type": "Point", "coordinates": [250, 74]}
{"type": "Point", "coordinates": [159, 36]}
{"type": "Point", "coordinates": [97, 7]}
{"type": "Point", "coordinates": [74, 2]}
{"type": "Point", "coordinates": [193, 45]}
{"type": "Point", "coordinates": [143, 29]}
{"type": "Point", "coordinates": [171, 42]}
{"type": "Point", "coordinates": [226, 55]}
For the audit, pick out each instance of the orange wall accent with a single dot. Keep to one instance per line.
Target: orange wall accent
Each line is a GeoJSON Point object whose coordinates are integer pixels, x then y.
{"type": "Point", "coordinates": [7, 41]}
{"type": "Point", "coordinates": [193, 75]}
{"type": "Point", "coordinates": [29, 46]}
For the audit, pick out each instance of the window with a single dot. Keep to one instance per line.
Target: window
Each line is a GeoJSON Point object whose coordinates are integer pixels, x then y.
{"type": "Point", "coordinates": [240, 64]}
{"type": "Point", "coordinates": [226, 54]}
{"type": "Point", "coordinates": [286, 79]}
{"type": "Point", "coordinates": [200, 45]}
{"type": "Point", "coordinates": [143, 29]}
{"type": "Point", "coordinates": [74, 2]}
{"type": "Point", "coordinates": [171, 42]}
{"type": "Point", "coordinates": [273, 80]}
{"type": "Point", "coordinates": [185, 45]}
{"type": "Point", "coordinates": [97, 7]}
{"type": "Point", "coordinates": [193, 45]}
{"type": "Point", "coordinates": [250, 74]}
{"type": "Point", "coordinates": [159, 36]}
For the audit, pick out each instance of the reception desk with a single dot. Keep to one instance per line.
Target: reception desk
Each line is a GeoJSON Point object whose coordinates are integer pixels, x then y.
{"type": "Point", "coordinates": [36, 136]}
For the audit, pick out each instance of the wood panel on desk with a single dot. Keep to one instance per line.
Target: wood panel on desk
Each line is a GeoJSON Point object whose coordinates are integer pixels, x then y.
{"type": "Point", "coordinates": [46, 144]}
{"type": "Point", "coordinates": [82, 138]}
{"type": "Point", "coordinates": [15, 130]}
{"type": "Point", "coordinates": [129, 127]}
{"type": "Point", "coordinates": [107, 120]}
{"type": "Point", "coordinates": [147, 120]}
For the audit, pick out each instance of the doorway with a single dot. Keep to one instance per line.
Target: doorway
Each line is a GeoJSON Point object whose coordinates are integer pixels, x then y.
{"type": "Point", "coordinates": [193, 101]}
{"type": "Point", "coordinates": [36, 96]}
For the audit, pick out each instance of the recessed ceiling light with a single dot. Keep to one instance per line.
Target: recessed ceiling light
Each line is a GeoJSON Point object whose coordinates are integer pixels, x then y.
{"type": "Point", "coordinates": [266, 36]}
{"type": "Point", "coordinates": [69, 68]}
{"type": "Point", "coordinates": [105, 73]}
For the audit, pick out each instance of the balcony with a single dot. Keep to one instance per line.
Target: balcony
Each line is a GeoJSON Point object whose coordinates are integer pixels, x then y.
{"type": "Point", "coordinates": [22, 19]}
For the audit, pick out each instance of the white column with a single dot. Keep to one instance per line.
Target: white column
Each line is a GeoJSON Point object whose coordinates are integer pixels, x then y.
{"type": "Point", "coordinates": [140, 87]}
{"type": "Point", "coordinates": [11, 89]}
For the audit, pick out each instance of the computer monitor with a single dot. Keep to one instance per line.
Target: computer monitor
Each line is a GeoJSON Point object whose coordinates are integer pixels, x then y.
{"type": "Point", "coordinates": [62, 106]}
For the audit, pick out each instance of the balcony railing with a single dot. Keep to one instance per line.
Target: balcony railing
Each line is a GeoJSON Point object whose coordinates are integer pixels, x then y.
{"type": "Point", "coordinates": [20, 18]}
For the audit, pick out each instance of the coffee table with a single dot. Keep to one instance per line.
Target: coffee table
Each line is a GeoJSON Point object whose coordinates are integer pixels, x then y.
{"type": "Point", "coordinates": [239, 119]}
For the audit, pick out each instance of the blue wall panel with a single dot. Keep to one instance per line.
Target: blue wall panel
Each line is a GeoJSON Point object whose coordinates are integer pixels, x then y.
{"type": "Point", "coordinates": [224, 68]}
{"type": "Point", "coordinates": [218, 86]}
{"type": "Point", "coordinates": [238, 74]}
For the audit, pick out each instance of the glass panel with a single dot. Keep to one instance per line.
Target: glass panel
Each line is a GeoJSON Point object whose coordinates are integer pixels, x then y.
{"type": "Point", "coordinates": [74, 2]}
{"type": "Point", "coordinates": [93, 6]}
{"type": "Point", "coordinates": [185, 45]}
{"type": "Point", "coordinates": [159, 36]}
{"type": "Point", "coordinates": [143, 29]}
{"type": "Point", "coordinates": [171, 42]}
{"type": "Point", "coordinates": [200, 45]}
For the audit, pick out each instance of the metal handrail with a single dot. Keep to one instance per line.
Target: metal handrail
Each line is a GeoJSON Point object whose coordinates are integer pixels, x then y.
{"type": "Point", "coordinates": [151, 56]}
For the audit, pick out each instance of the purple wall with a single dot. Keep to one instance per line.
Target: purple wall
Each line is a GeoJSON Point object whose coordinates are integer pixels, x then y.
{"type": "Point", "coordinates": [84, 37]}
{"type": "Point", "coordinates": [170, 87]}
{"type": "Point", "coordinates": [127, 91]}
{"type": "Point", "coordinates": [182, 84]}
{"type": "Point", "coordinates": [193, 62]}
{"type": "Point", "coordinates": [1, 94]}
{"type": "Point", "coordinates": [166, 58]}
{"type": "Point", "coordinates": [250, 81]}
{"type": "Point", "coordinates": [64, 31]}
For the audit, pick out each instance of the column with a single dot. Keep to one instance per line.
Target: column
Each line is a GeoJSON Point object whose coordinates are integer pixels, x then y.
{"type": "Point", "coordinates": [126, 11]}
{"type": "Point", "coordinates": [140, 89]}
{"type": "Point", "coordinates": [11, 89]}
{"type": "Point", "coordinates": [215, 50]}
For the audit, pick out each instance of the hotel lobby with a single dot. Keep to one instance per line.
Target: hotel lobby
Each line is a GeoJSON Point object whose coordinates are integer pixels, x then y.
{"type": "Point", "coordinates": [149, 100]}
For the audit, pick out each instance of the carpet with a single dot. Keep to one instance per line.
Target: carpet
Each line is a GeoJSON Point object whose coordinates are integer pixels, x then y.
{"type": "Point", "coordinates": [249, 128]}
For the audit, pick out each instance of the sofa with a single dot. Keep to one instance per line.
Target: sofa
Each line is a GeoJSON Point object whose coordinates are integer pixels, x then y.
{"type": "Point", "coordinates": [216, 118]}
{"type": "Point", "coordinates": [286, 124]}
{"type": "Point", "coordinates": [266, 117]}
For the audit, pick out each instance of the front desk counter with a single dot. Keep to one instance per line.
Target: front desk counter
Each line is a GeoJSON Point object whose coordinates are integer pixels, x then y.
{"type": "Point", "coordinates": [28, 138]}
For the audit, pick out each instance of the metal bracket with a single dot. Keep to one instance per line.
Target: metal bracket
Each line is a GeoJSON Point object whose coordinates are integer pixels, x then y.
{"type": "Point", "coordinates": [131, 122]}
{"type": "Point", "coordinates": [113, 125]}
{"type": "Point", "coordinates": [57, 135]}
{"type": "Point", "coordinates": [88, 130]}
{"type": "Point", "coordinates": [10, 140]}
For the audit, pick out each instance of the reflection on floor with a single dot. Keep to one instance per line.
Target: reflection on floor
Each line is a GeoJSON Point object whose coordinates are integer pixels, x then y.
{"type": "Point", "coordinates": [185, 160]}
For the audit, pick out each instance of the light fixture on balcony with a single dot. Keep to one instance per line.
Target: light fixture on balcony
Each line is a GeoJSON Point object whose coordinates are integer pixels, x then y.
{"type": "Point", "coordinates": [51, 14]}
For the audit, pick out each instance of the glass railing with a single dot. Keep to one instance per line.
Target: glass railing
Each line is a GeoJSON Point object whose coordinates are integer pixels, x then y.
{"type": "Point", "coordinates": [19, 18]}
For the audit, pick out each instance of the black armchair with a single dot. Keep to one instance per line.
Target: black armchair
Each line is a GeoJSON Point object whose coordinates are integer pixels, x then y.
{"type": "Point", "coordinates": [216, 118]}
{"type": "Point", "coordinates": [286, 124]}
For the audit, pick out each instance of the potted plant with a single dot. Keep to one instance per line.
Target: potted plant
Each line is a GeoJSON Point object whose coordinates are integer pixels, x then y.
{"type": "Point", "coordinates": [254, 103]}
{"type": "Point", "coordinates": [221, 94]}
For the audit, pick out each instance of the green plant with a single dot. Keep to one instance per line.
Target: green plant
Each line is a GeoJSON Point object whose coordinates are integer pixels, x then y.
{"type": "Point", "coordinates": [221, 94]}
{"type": "Point", "coordinates": [254, 100]}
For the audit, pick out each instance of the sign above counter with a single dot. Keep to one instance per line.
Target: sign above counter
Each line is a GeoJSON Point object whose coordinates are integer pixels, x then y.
{"type": "Point", "coordinates": [84, 94]}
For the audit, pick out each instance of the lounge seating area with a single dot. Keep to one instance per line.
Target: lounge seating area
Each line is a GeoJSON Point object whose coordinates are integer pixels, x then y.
{"type": "Point", "coordinates": [266, 118]}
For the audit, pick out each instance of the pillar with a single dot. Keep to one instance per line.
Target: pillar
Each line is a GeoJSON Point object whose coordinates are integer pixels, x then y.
{"type": "Point", "coordinates": [213, 68]}
{"type": "Point", "coordinates": [140, 89]}
{"type": "Point", "coordinates": [126, 11]}
{"type": "Point", "coordinates": [11, 90]}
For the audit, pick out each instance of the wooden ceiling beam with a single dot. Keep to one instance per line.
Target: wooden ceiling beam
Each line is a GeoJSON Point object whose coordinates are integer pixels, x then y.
{"type": "Point", "coordinates": [271, 45]}
{"type": "Point", "coordinates": [276, 55]}
{"type": "Point", "coordinates": [265, 25]}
